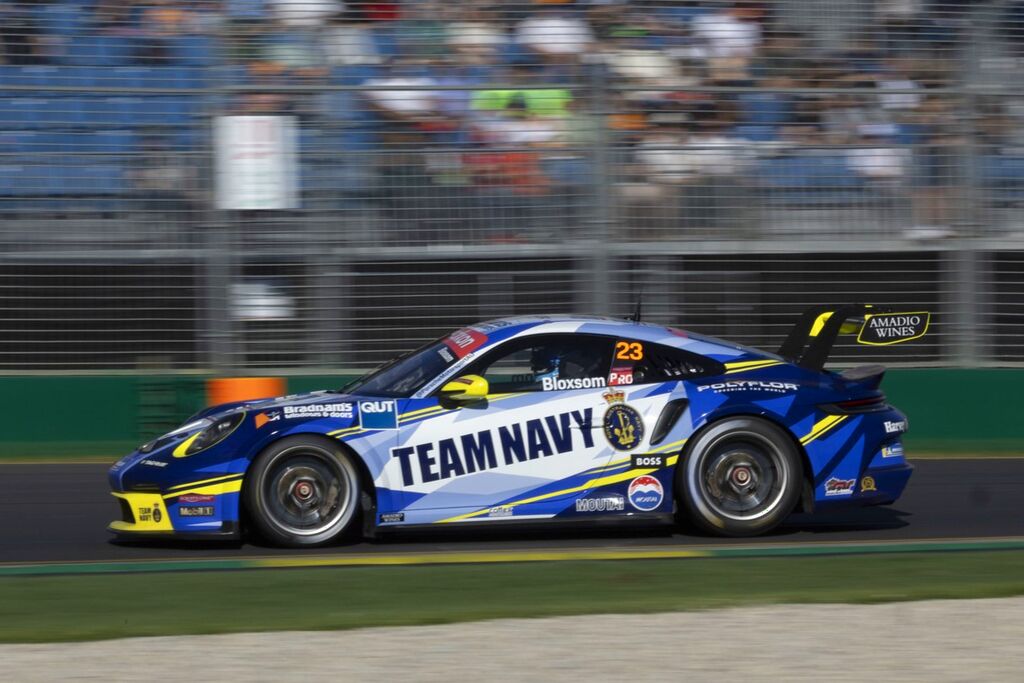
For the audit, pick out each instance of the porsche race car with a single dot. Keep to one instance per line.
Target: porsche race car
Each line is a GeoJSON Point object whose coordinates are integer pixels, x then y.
{"type": "Point", "coordinates": [538, 419]}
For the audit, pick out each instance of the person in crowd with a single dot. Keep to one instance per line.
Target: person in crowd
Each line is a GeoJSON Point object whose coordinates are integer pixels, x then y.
{"type": "Point", "coordinates": [22, 39]}
{"type": "Point", "coordinates": [164, 180]}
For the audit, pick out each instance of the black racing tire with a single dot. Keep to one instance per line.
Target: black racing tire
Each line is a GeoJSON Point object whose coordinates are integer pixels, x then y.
{"type": "Point", "coordinates": [302, 491]}
{"type": "Point", "coordinates": [740, 476]}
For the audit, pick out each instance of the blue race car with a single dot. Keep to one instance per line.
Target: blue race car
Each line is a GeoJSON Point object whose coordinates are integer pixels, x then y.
{"type": "Point", "coordinates": [541, 418]}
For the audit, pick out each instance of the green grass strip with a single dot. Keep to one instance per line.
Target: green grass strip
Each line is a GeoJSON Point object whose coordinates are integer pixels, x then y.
{"type": "Point", "coordinates": [384, 559]}
{"type": "Point", "coordinates": [65, 608]}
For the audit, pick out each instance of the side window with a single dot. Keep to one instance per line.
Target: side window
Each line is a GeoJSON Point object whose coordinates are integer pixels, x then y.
{"type": "Point", "coordinates": [645, 363]}
{"type": "Point", "coordinates": [550, 362]}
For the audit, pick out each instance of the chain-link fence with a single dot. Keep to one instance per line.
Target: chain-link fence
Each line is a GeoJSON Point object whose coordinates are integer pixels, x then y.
{"type": "Point", "coordinates": [312, 183]}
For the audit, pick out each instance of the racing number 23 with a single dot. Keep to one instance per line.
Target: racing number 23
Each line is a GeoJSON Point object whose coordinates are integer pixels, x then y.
{"type": "Point", "coordinates": [629, 350]}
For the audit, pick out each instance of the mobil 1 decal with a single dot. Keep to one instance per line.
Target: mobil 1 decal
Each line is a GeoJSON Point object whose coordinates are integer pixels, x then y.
{"type": "Point", "coordinates": [882, 329]}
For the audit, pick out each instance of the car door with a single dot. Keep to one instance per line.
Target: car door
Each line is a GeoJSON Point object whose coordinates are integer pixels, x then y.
{"type": "Point", "coordinates": [534, 441]}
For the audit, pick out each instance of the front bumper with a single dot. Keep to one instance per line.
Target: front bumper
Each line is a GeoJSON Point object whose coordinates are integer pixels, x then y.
{"type": "Point", "coordinates": [200, 509]}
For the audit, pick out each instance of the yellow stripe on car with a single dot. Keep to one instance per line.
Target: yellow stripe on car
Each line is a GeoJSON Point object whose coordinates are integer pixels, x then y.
{"type": "Point", "coordinates": [201, 482]}
{"type": "Point", "coordinates": [733, 368]}
{"type": "Point", "coordinates": [592, 483]}
{"type": "Point", "coordinates": [217, 489]}
{"type": "Point", "coordinates": [821, 426]}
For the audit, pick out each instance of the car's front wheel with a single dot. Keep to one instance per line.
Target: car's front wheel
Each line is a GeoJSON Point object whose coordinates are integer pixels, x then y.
{"type": "Point", "coordinates": [302, 491]}
{"type": "Point", "coordinates": [739, 477]}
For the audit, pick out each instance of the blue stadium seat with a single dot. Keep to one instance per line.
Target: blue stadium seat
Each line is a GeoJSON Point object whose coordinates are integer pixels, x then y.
{"type": "Point", "coordinates": [195, 50]}
{"type": "Point", "coordinates": [111, 112]}
{"type": "Point", "coordinates": [246, 10]}
{"type": "Point", "coordinates": [22, 112]}
{"type": "Point", "coordinates": [99, 50]}
{"type": "Point", "coordinates": [10, 177]}
{"type": "Point", "coordinates": [19, 141]}
{"type": "Point", "coordinates": [165, 111]}
{"type": "Point", "coordinates": [62, 112]}
{"type": "Point", "coordinates": [61, 18]}
{"type": "Point", "coordinates": [765, 109]}
{"type": "Point", "coordinates": [1003, 176]}
{"type": "Point", "coordinates": [810, 180]}
{"type": "Point", "coordinates": [756, 133]}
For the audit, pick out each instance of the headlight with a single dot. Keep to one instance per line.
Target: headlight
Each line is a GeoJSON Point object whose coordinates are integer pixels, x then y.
{"type": "Point", "coordinates": [162, 441]}
{"type": "Point", "coordinates": [209, 436]}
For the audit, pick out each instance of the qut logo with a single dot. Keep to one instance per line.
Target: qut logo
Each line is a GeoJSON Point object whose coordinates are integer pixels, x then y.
{"type": "Point", "coordinates": [378, 415]}
{"type": "Point", "coordinates": [378, 406]}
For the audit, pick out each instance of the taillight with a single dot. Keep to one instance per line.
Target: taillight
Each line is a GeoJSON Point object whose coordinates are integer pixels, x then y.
{"type": "Point", "coordinates": [869, 404]}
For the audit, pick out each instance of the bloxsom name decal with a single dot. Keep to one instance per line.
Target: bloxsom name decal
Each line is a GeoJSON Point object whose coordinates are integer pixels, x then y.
{"type": "Point", "coordinates": [882, 329]}
{"type": "Point", "coordinates": [491, 448]}
{"type": "Point", "coordinates": [552, 384]}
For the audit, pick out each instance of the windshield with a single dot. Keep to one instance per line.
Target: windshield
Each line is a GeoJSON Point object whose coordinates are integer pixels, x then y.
{"type": "Point", "coordinates": [406, 374]}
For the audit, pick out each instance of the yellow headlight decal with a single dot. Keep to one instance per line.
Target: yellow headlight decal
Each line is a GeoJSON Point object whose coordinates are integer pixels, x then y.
{"type": "Point", "coordinates": [179, 450]}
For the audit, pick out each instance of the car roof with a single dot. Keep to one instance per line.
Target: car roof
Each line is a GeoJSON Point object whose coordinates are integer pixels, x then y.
{"type": "Point", "coordinates": [501, 329]}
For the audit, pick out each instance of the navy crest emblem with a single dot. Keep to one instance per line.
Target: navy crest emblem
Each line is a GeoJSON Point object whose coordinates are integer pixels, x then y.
{"type": "Point", "coordinates": [623, 427]}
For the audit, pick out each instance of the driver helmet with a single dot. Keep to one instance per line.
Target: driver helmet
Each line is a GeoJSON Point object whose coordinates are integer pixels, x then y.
{"type": "Point", "coordinates": [545, 362]}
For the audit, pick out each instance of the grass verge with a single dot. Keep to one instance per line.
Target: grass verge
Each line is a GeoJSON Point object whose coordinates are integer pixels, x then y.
{"type": "Point", "coordinates": [42, 609]}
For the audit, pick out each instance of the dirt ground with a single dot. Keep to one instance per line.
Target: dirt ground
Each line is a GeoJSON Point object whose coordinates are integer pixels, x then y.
{"type": "Point", "coordinates": [949, 640]}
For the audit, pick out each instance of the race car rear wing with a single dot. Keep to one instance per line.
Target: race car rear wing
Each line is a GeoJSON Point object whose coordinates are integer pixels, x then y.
{"type": "Point", "coordinates": [811, 339]}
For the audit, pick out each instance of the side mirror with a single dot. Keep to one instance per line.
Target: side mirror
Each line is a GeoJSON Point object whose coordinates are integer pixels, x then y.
{"type": "Point", "coordinates": [466, 389]}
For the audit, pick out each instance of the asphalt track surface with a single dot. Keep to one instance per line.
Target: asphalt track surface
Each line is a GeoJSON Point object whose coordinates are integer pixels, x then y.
{"type": "Point", "coordinates": [59, 513]}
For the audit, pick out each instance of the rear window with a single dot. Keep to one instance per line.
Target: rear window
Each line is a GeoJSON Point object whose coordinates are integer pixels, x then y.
{"type": "Point", "coordinates": [646, 363]}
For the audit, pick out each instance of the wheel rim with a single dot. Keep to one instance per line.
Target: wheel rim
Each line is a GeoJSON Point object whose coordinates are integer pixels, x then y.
{"type": "Point", "coordinates": [743, 476]}
{"type": "Point", "coordinates": [307, 491]}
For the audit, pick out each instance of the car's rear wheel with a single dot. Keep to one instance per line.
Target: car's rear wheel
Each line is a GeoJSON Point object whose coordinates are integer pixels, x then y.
{"type": "Point", "coordinates": [302, 491]}
{"type": "Point", "coordinates": [739, 477]}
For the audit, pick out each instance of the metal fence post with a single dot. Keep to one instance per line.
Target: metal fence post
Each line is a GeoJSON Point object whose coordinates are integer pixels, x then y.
{"type": "Point", "coordinates": [597, 263]}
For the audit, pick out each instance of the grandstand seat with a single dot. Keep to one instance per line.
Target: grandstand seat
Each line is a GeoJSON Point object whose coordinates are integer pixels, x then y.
{"type": "Point", "coordinates": [21, 112]}
{"type": "Point", "coordinates": [100, 142]}
{"type": "Point", "coordinates": [121, 112]}
{"type": "Point", "coordinates": [61, 18]}
{"type": "Point", "coordinates": [764, 109]}
{"type": "Point", "coordinates": [99, 50]}
{"type": "Point", "coordinates": [756, 133]}
{"type": "Point", "coordinates": [1003, 176]}
{"type": "Point", "coordinates": [811, 180]}
{"type": "Point", "coordinates": [193, 50]}
{"type": "Point", "coordinates": [246, 10]}
{"type": "Point", "coordinates": [165, 111]}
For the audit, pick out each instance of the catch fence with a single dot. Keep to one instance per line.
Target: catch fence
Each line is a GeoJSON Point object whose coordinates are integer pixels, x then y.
{"type": "Point", "coordinates": [286, 186]}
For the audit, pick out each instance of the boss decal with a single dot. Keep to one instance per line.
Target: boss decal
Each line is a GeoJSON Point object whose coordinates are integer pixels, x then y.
{"type": "Point", "coordinates": [623, 427]}
{"type": "Point", "coordinates": [647, 460]}
{"type": "Point", "coordinates": [378, 414]}
{"type": "Point", "coordinates": [492, 448]}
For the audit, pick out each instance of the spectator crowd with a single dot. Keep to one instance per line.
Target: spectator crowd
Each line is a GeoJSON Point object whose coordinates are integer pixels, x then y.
{"type": "Point", "coordinates": [513, 121]}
